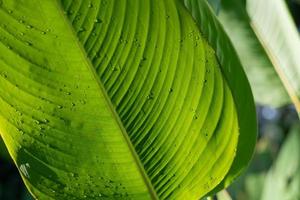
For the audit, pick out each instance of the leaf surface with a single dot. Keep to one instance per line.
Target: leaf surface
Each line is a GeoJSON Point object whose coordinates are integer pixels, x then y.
{"type": "Point", "coordinates": [234, 74]}
{"type": "Point", "coordinates": [115, 99]}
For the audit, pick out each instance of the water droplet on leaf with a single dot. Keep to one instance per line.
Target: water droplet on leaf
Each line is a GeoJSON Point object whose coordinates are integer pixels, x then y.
{"type": "Point", "coordinates": [24, 169]}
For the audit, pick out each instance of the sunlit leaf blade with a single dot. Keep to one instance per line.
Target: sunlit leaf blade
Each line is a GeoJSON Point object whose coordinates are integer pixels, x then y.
{"type": "Point", "coordinates": [117, 99]}
{"type": "Point", "coordinates": [231, 67]}
{"type": "Point", "coordinates": [55, 117]}
{"type": "Point", "coordinates": [266, 85]}
{"type": "Point", "coordinates": [272, 23]}
{"type": "Point", "coordinates": [283, 180]}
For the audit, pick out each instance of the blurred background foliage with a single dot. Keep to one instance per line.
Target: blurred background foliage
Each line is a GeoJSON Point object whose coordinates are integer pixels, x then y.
{"type": "Point", "coordinates": [273, 174]}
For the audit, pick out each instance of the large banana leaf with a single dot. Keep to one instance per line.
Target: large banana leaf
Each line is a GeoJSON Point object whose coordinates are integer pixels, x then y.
{"type": "Point", "coordinates": [231, 68]}
{"type": "Point", "coordinates": [120, 100]}
{"type": "Point", "coordinates": [266, 85]}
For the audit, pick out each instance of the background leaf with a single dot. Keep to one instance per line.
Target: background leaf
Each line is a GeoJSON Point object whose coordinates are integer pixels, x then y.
{"type": "Point", "coordinates": [283, 180]}
{"type": "Point", "coordinates": [279, 180]}
{"type": "Point", "coordinates": [280, 38]}
{"type": "Point", "coordinates": [266, 85]}
{"type": "Point", "coordinates": [223, 195]}
{"type": "Point", "coordinates": [278, 34]}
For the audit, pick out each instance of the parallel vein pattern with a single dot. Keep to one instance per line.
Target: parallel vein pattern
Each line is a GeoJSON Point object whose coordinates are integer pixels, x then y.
{"type": "Point", "coordinates": [54, 117]}
{"type": "Point", "coordinates": [166, 85]}
{"type": "Point", "coordinates": [233, 71]}
{"type": "Point", "coordinates": [161, 77]}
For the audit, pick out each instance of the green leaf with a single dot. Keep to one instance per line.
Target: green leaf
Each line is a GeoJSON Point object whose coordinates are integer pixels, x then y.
{"type": "Point", "coordinates": [268, 46]}
{"type": "Point", "coordinates": [120, 100]}
{"type": "Point", "coordinates": [266, 85]}
{"type": "Point", "coordinates": [254, 183]}
{"type": "Point", "coordinates": [233, 71]}
{"type": "Point", "coordinates": [283, 180]}
{"type": "Point", "coordinates": [280, 38]}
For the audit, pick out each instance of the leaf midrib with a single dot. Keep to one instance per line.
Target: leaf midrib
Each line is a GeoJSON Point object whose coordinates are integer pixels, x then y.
{"type": "Point", "coordinates": [103, 92]}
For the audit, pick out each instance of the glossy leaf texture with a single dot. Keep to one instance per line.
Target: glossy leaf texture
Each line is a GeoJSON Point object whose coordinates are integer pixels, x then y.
{"type": "Point", "coordinates": [267, 87]}
{"type": "Point", "coordinates": [231, 67]}
{"type": "Point", "coordinates": [116, 100]}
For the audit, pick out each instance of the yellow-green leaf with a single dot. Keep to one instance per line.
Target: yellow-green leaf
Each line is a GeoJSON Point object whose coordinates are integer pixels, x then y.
{"type": "Point", "coordinates": [118, 100]}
